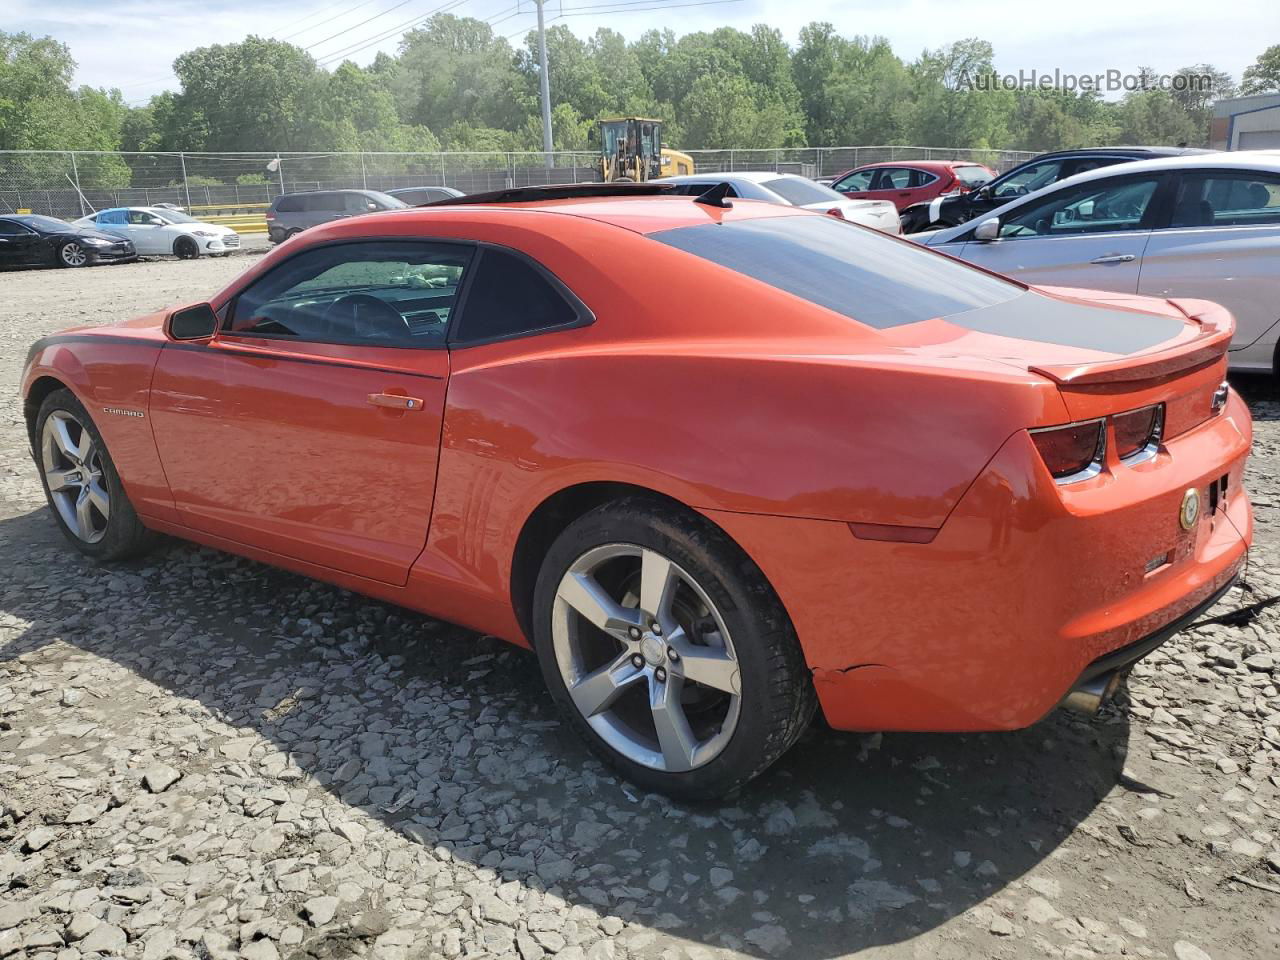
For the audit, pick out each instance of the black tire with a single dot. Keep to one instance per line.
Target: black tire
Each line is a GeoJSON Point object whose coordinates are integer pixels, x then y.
{"type": "Point", "coordinates": [184, 248]}
{"type": "Point", "coordinates": [124, 535]}
{"type": "Point", "coordinates": [290, 234]}
{"type": "Point", "coordinates": [777, 696]}
{"type": "Point", "coordinates": [73, 254]}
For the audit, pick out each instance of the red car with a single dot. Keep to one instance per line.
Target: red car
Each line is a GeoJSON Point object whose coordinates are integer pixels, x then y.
{"type": "Point", "coordinates": [754, 462]}
{"type": "Point", "coordinates": [911, 182]}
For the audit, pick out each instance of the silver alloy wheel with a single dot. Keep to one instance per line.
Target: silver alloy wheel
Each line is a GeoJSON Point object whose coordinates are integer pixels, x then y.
{"type": "Point", "coordinates": [646, 657]}
{"type": "Point", "coordinates": [73, 469]}
{"type": "Point", "coordinates": [73, 254]}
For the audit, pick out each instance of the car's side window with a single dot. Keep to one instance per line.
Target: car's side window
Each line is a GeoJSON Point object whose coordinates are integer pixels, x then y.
{"type": "Point", "coordinates": [10, 229]}
{"type": "Point", "coordinates": [859, 180]}
{"type": "Point", "coordinates": [511, 296]}
{"type": "Point", "coordinates": [1103, 206]}
{"type": "Point", "coordinates": [1227, 199]}
{"type": "Point", "coordinates": [141, 217]}
{"type": "Point", "coordinates": [358, 203]}
{"type": "Point", "coordinates": [111, 218]}
{"type": "Point", "coordinates": [377, 293]}
{"type": "Point", "coordinates": [920, 178]}
{"type": "Point", "coordinates": [1029, 179]}
{"type": "Point", "coordinates": [892, 178]}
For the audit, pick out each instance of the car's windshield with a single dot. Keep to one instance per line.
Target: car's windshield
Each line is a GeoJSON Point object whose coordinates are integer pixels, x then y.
{"type": "Point", "coordinates": [387, 200]}
{"type": "Point", "coordinates": [864, 275]}
{"type": "Point", "coordinates": [798, 191]}
{"type": "Point", "coordinates": [174, 216]}
{"type": "Point", "coordinates": [38, 222]}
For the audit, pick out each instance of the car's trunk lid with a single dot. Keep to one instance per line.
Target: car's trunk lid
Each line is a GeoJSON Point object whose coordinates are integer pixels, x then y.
{"type": "Point", "coordinates": [1106, 352]}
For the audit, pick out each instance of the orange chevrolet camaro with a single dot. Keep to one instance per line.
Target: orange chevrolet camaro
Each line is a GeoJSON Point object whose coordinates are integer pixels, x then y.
{"type": "Point", "coordinates": [719, 464]}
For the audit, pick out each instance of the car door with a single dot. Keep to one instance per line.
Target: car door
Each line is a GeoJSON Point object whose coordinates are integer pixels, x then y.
{"type": "Point", "coordinates": [19, 244]}
{"type": "Point", "coordinates": [148, 233]}
{"type": "Point", "coordinates": [1222, 243]}
{"type": "Point", "coordinates": [309, 425]}
{"type": "Point", "coordinates": [892, 184]}
{"type": "Point", "coordinates": [1089, 235]}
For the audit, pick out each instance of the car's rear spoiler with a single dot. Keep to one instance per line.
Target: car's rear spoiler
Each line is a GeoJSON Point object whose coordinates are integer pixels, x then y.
{"type": "Point", "coordinates": [1217, 326]}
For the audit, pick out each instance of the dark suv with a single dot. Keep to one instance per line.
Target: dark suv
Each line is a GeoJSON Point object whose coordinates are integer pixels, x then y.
{"type": "Point", "coordinates": [292, 213]}
{"type": "Point", "coordinates": [1038, 172]}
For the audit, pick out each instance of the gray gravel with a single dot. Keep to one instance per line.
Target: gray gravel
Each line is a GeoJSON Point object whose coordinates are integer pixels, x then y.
{"type": "Point", "coordinates": [201, 757]}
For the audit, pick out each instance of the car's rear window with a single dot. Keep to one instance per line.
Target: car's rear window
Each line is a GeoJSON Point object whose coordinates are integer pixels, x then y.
{"type": "Point", "coordinates": [972, 176]}
{"type": "Point", "coordinates": [799, 192]}
{"type": "Point", "coordinates": [864, 275]}
{"type": "Point", "coordinates": [289, 203]}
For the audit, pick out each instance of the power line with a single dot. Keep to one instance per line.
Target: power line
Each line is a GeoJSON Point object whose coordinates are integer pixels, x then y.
{"type": "Point", "coordinates": [404, 27]}
{"type": "Point", "coordinates": [343, 13]}
{"type": "Point", "coordinates": [356, 26]}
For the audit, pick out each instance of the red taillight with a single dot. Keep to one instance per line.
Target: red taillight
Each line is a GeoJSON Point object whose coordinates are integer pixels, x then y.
{"type": "Point", "coordinates": [1138, 431]}
{"type": "Point", "coordinates": [1074, 451]}
{"type": "Point", "coordinates": [836, 212]}
{"type": "Point", "coordinates": [270, 215]}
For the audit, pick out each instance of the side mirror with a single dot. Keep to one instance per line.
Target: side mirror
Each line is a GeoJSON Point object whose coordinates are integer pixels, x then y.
{"type": "Point", "coordinates": [192, 323]}
{"type": "Point", "coordinates": [987, 230]}
{"type": "Point", "coordinates": [984, 191]}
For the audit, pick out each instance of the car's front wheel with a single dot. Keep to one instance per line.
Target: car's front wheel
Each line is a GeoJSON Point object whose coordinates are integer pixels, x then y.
{"type": "Point", "coordinates": [667, 650]}
{"type": "Point", "coordinates": [81, 483]}
{"type": "Point", "coordinates": [72, 254]}
{"type": "Point", "coordinates": [184, 248]}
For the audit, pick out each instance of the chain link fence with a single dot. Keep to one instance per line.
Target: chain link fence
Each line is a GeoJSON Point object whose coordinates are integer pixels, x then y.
{"type": "Point", "coordinates": [71, 184]}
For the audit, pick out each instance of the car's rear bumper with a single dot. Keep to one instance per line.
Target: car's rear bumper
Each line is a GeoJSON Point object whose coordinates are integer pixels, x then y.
{"type": "Point", "coordinates": [989, 625]}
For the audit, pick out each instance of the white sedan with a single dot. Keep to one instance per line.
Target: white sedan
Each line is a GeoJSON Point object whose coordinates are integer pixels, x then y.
{"type": "Point", "coordinates": [160, 231]}
{"type": "Point", "coordinates": [793, 190]}
{"type": "Point", "coordinates": [1204, 226]}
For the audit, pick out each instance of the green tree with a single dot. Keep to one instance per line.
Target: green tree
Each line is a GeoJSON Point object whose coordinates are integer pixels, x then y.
{"type": "Point", "coordinates": [1263, 76]}
{"type": "Point", "coordinates": [951, 107]}
{"type": "Point", "coordinates": [258, 94]}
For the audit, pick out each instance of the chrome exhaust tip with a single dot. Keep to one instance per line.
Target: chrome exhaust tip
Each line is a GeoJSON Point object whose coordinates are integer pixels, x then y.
{"type": "Point", "coordinates": [1088, 697]}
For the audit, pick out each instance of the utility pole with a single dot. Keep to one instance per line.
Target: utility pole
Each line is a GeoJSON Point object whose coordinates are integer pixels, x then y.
{"type": "Point", "coordinates": [545, 84]}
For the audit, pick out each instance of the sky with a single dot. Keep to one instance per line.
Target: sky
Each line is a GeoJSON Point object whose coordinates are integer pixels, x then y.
{"type": "Point", "coordinates": [131, 44]}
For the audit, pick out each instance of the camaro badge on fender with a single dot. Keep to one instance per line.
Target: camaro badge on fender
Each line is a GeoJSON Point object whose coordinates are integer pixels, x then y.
{"type": "Point", "coordinates": [121, 412]}
{"type": "Point", "coordinates": [1190, 512]}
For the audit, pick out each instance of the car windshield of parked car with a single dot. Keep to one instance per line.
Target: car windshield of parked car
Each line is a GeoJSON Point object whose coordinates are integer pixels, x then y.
{"type": "Point", "coordinates": [1029, 179]}
{"type": "Point", "coordinates": [800, 192]}
{"type": "Point", "coordinates": [864, 275]}
{"type": "Point", "coordinates": [1097, 207]}
{"type": "Point", "coordinates": [387, 201]}
{"type": "Point", "coordinates": [46, 224]}
{"type": "Point", "coordinates": [385, 293]}
{"type": "Point", "coordinates": [973, 176]}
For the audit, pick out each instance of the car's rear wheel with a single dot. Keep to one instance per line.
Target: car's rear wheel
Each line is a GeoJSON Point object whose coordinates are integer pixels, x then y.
{"type": "Point", "coordinates": [72, 254]}
{"type": "Point", "coordinates": [667, 650]}
{"type": "Point", "coordinates": [82, 485]}
{"type": "Point", "coordinates": [184, 248]}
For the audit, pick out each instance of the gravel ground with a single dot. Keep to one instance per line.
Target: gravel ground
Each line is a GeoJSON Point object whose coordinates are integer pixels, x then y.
{"type": "Point", "coordinates": [201, 757]}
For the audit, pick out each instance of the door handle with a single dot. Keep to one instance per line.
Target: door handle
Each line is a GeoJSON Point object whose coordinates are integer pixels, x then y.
{"type": "Point", "coordinates": [394, 401]}
{"type": "Point", "coordinates": [1114, 258]}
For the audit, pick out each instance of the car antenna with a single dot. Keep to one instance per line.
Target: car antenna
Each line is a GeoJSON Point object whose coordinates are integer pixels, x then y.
{"type": "Point", "coordinates": [716, 196]}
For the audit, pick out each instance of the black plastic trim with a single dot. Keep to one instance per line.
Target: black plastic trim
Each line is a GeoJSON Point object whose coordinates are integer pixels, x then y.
{"type": "Point", "coordinates": [1127, 656]}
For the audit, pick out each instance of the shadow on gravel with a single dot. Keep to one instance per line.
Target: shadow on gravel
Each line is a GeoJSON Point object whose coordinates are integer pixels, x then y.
{"type": "Point", "coordinates": [1261, 392]}
{"type": "Point", "coordinates": [448, 737]}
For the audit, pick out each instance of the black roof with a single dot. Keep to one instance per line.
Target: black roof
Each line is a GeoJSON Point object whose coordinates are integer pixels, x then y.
{"type": "Point", "coordinates": [1143, 152]}
{"type": "Point", "coordinates": [558, 191]}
